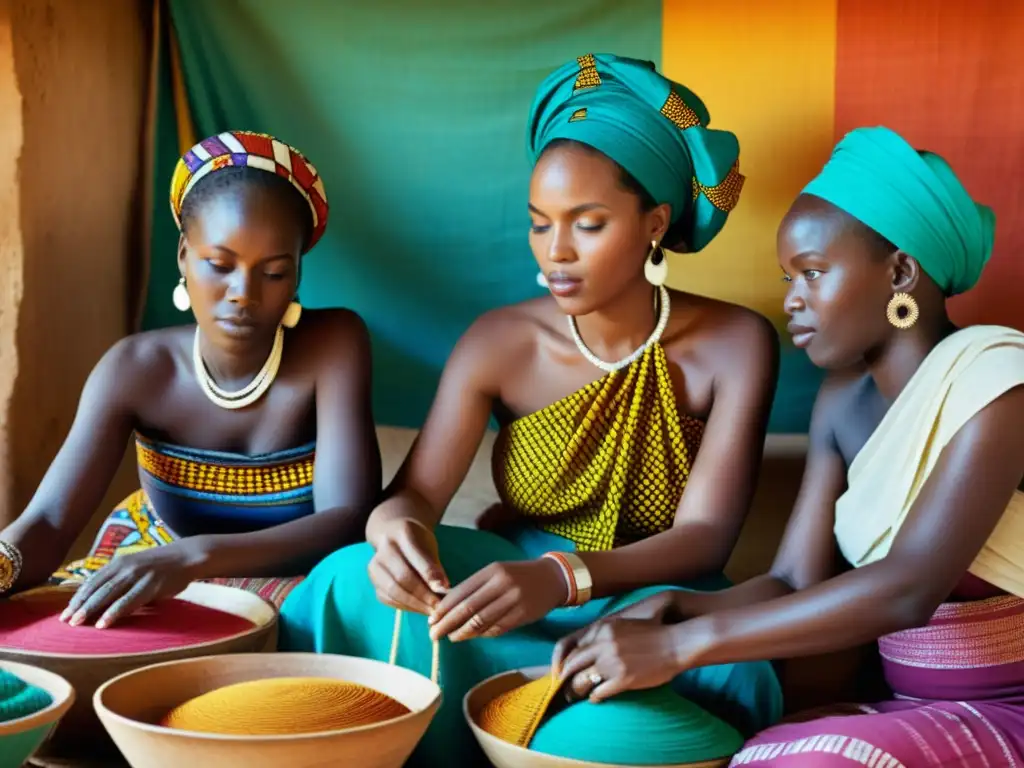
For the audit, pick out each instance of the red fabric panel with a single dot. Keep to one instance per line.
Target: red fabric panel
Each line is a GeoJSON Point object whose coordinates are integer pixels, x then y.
{"type": "Point", "coordinates": [949, 77]}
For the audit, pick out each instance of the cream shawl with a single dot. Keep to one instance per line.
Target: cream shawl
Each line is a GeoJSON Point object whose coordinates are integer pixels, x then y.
{"type": "Point", "coordinates": [962, 375]}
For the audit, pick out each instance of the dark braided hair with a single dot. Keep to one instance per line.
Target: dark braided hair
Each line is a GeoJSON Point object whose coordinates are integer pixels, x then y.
{"type": "Point", "coordinates": [628, 182]}
{"type": "Point", "coordinates": [234, 178]}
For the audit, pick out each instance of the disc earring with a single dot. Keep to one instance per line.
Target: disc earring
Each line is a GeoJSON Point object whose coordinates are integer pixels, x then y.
{"type": "Point", "coordinates": [180, 297]}
{"type": "Point", "coordinates": [902, 311]}
{"type": "Point", "coordinates": [656, 266]}
{"type": "Point", "coordinates": [292, 315]}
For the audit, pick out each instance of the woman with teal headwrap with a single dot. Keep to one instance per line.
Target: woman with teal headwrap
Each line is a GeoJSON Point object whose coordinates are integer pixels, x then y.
{"type": "Point", "coordinates": [592, 457]}
{"type": "Point", "coordinates": [914, 471]}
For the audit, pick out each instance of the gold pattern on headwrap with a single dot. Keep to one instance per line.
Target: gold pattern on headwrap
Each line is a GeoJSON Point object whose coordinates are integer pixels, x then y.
{"type": "Point", "coordinates": [726, 194]}
{"type": "Point", "coordinates": [588, 76]}
{"type": "Point", "coordinates": [605, 465]}
{"type": "Point", "coordinates": [676, 110]}
{"type": "Point", "coordinates": [579, 114]}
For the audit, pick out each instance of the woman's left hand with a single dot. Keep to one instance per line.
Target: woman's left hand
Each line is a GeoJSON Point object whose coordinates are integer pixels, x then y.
{"type": "Point", "coordinates": [128, 582]}
{"type": "Point", "coordinates": [617, 655]}
{"type": "Point", "coordinates": [500, 598]}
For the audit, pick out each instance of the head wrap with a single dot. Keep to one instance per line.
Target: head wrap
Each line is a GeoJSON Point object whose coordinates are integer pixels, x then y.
{"type": "Point", "coordinates": [255, 150]}
{"type": "Point", "coordinates": [912, 199]}
{"type": "Point", "coordinates": [654, 128]}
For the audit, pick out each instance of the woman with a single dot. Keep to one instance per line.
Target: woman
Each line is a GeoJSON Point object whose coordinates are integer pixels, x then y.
{"type": "Point", "coordinates": [914, 470]}
{"type": "Point", "coordinates": [255, 441]}
{"type": "Point", "coordinates": [592, 457]}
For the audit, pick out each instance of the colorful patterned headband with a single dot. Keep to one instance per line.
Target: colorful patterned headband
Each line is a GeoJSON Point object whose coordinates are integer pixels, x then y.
{"type": "Point", "coordinates": [255, 150]}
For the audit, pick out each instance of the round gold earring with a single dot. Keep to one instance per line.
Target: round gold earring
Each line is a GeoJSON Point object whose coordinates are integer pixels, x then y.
{"type": "Point", "coordinates": [902, 311]}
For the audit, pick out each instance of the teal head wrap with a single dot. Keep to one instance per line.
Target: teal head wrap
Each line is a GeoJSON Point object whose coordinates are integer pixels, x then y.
{"type": "Point", "coordinates": [654, 128]}
{"type": "Point", "coordinates": [912, 199]}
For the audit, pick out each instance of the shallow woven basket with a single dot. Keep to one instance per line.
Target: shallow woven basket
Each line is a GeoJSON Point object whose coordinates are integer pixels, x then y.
{"type": "Point", "coordinates": [506, 755]}
{"type": "Point", "coordinates": [22, 737]}
{"type": "Point", "coordinates": [80, 734]}
{"type": "Point", "coordinates": [129, 706]}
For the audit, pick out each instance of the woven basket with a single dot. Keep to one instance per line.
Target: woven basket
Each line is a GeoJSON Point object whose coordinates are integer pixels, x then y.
{"type": "Point", "coordinates": [80, 732]}
{"type": "Point", "coordinates": [505, 755]}
{"type": "Point", "coordinates": [129, 706]}
{"type": "Point", "coordinates": [20, 738]}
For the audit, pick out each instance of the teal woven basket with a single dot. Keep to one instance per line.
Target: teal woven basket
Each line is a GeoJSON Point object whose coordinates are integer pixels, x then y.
{"type": "Point", "coordinates": [22, 736]}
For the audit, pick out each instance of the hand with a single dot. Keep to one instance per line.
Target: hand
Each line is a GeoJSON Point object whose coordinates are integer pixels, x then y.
{"type": "Point", "coordinates": [406, 570]}
{"type": "Point", "coordinates": [499, 598]}
{"type": "Point", "coordinates": [618, 655]}
{"type": "Point", "coordinates": [657, 608]}
{"type": "Point", "coordinates": [128, 582]}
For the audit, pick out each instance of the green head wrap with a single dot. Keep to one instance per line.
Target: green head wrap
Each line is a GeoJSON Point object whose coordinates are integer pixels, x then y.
{"type": "Point", "coordinates": [912, 199]}
{"type": "Point", "coordinates": [654, 128]}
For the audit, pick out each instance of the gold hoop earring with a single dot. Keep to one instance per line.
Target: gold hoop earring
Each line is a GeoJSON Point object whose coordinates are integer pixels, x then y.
{"type": "Point", "coordinates": [902, 311]}
{"type": "Point", "coordinates": [292, 315]}
{"type": "Point", "coordinates": [656, 266]}
{"type": "Point", "coordinates": [180, 297]}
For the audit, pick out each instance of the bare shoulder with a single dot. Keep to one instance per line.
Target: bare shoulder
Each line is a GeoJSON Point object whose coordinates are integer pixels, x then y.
{"type": "Point", "coordinates": [141, 365]}
{"type": "Point", "coordinates": [509, 331]}
{"type": "Point", "coordinates": [498, 342]}
{"type": "Point", "coordinates": [332, 343]}
{"type": "Point", "coordinates": [838, 396]}
{"type": "Point", "coordinates": [149, 356]}
{"type": "Point", "coordinates": [332, 326]}
{"type": "Point", "coordinates": [729, 337]}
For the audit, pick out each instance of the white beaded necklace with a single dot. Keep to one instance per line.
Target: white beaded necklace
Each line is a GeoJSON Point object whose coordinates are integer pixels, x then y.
{"type": "Point", "coordinates": [252, 391]}
{"type": "Point", "coordinates": [654, 338]}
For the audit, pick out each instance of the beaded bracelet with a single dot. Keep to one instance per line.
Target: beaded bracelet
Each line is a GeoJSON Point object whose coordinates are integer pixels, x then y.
{"type": "Point", "coordinates": [10, 565]}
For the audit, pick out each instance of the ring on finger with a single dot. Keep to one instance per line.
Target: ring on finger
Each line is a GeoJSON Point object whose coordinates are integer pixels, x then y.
{"type": "Point", "coordinates": [595, 678]}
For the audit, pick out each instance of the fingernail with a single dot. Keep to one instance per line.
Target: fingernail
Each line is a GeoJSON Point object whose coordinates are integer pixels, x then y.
{"type": "Point", "coordinates": [77, 619]}
{"type": "Point", "coordinates": [66, 615]}
{"type": "Point", "coordinates": [437, 586]}
{"type": "Point", "coordinates": [432, 619]}
{"type": "Point", "coordinates": [101, 624]}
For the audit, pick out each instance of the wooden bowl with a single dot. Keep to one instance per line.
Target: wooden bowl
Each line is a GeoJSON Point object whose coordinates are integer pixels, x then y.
{"type": "Point", "coordinates": [20, 738]}
{"type": "Point", "coordinates": [505, 755]}
{"type": "Point", "coordinates": [80, 732]}
{"type": "Point", "coordinates": [129, 706]}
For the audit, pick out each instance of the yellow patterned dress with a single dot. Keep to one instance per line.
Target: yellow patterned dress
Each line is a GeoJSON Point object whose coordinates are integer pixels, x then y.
{"type": "Point", "coordinates": [186, 492]}
{"type": "Point", "coordinates": [604, 466]}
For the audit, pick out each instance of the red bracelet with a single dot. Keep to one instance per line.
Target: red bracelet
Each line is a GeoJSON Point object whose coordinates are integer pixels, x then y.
{"type": "Point", "coordinates": [570, 577]}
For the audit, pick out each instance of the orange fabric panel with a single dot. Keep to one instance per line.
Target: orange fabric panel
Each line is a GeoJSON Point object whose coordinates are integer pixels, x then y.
{"type": "Point", "coordinates": [948, 76]}
{"type": "Point", "coordinates": [766, 72]}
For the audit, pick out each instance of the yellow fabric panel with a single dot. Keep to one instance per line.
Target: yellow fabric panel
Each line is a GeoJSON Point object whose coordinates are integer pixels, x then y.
{"type": "Point", "coordinates": [605, 465]}
{"type": "Point", "coordinates": [766, 72]}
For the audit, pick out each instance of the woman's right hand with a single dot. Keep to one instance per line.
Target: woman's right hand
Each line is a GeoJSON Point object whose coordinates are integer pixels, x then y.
{"type": "Point", "coordinates": [406, 569]}
{"type": "Point", "coordinates": [659, 608]}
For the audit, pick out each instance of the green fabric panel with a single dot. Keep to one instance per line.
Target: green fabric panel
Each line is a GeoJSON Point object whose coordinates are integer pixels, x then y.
{"type": "Point", "coordinates": [415, 114]}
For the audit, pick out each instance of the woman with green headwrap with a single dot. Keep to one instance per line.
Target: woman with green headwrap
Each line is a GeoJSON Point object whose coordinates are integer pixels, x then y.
{"type": "Point", "coordinates": [592, 457]}
{"type": "Point", "coordinates": [915, 468]}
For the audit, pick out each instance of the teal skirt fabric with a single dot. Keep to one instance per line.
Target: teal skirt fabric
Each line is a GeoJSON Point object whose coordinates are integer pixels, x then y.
{"type": "Point", "coordinates": [335, 610]}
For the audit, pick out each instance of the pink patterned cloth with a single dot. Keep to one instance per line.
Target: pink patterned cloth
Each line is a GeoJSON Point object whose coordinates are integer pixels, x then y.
{"type": "Point", "coordinates": [959, 688]}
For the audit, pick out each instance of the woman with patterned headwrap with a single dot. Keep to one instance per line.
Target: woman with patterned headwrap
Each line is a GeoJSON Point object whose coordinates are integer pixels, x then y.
{"type": "Point", "coordinates": [915, 468]}
{"type": "Point", "coordinates": [234, 418]}
{"type": "Point", "coordinates": [593, 456]}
